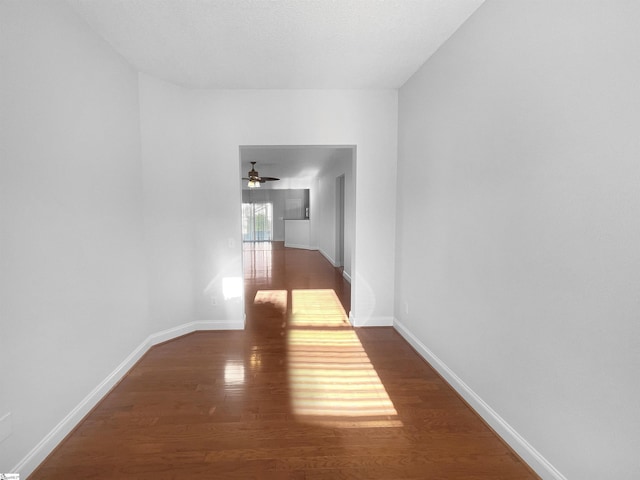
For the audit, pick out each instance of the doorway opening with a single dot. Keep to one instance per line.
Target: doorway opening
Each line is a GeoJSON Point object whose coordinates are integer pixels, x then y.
{"type": "Point", "coordinates": [306, 201]}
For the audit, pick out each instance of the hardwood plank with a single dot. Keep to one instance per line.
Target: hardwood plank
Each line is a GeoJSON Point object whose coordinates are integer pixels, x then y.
{"type": "Point", "coordinates": [298, 395]}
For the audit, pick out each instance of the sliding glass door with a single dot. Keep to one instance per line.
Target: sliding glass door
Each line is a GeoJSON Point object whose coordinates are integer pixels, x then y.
{"type": "Point", "coordinates": [257, 222]}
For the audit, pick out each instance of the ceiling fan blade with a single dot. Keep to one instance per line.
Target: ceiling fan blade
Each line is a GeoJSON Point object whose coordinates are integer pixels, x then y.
{"type": "Point", "coordinates": [255, 176]}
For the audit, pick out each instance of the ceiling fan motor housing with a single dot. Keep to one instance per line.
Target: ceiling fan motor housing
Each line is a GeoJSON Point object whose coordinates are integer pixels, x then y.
{"type": "Point", "coordinates": [253, 173]}
{"type": "Point", "coordinates": [254, 176]}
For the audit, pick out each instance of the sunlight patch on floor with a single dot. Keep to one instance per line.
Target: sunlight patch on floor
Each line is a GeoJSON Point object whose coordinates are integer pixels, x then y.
{"type": "Point", "coordinates": [317, 308]}
{"type": "Point", "coordinates": [274, 298]}
{"type": "Point", "coordinates": [333, 382]}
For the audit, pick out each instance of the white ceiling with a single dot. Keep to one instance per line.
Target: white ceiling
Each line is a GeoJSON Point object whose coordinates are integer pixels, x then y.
{"type": "Point", "coordinates": [286, 44]}
{"type": "Point", "coordinates": [296, 166]}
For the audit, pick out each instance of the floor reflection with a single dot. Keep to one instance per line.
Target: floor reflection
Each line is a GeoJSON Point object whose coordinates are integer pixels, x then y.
{"type": "Point", "coordinates": [258, 260]}
{"type": "Point", "coordinates": [234, 373]}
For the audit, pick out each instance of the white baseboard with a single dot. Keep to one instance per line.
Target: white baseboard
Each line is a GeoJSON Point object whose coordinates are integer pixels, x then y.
{"type": "Point", "coordinates": [168, 334]}
{"type": "Point", "coordinates": [370, 321]}
{"type": "Point", "coordinates": [526, 451]}
{"type": "Point", "coordinates": [345, 275]}
{"type": "Point", "coordinates": [328, 257]}
{"type": "Point", "coordinates": [219, 325]}
{"type": "Point", "coordinates": [30, 462]}
{"type": "Point", "coordinates": [303, 247]}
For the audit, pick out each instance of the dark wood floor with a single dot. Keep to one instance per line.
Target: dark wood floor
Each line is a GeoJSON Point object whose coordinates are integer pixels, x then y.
{"type": "Point", "coordinates": [298, 395]}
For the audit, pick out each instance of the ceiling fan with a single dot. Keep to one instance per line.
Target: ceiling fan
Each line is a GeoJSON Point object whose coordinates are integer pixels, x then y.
{"type": "Point", "coordinates": [255, 179]}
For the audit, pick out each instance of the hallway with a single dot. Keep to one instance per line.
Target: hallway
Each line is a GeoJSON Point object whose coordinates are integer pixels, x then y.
{"type": "Point", "coordinates": [298, 395]}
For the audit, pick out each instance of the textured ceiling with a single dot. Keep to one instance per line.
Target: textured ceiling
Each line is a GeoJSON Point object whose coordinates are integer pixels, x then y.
{"type": "Point", "coordinates": [277, 43]}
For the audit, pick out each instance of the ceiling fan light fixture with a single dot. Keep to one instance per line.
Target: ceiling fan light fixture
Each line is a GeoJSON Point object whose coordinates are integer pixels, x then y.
{"type": "Point", "coordinates": [254, 178]}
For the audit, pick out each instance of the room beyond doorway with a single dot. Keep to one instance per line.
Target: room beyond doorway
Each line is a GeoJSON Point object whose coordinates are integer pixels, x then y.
{"type": "Point", "coordinates": [311, 199]}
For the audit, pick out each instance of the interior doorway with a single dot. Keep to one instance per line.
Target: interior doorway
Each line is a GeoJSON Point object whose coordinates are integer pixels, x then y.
{"type": "Point", "coordinates": [324, 178]}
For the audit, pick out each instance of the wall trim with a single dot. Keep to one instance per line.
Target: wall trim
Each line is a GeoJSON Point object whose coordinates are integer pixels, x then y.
{"type": "Point", "coordinates": [526, 451]}
{"type": "Point", "coordinates": [345, 275]}
{"type": "Point", "coordinates": [219, 324]}
{"type": "Point", "coordinates": [39, 453]}
{"type": "Point", "coordinates": [370, 321]}
{"type": "Point", "coordinates": [303, 247]}
{"type": "Point", "coordinates": [328, 257]}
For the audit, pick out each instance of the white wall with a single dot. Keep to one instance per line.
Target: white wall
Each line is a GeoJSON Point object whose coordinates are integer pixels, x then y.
{"type": "Point", "coordinates": [168, 203]}
{"type": "Point", "coordinates": [223, 120]}
{"type": "Point", "coordinates": [218, 123]}
{"type": "Point", "coordinates": [84, 226]}
{"type": "Point", "coordinates": [72, 273]}
{"type": "Point", "coordinates": [518, 244]}
{"type": "Point", "coordinates": [325, 210]}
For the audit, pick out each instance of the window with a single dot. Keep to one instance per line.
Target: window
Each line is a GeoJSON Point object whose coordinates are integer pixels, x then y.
{"type": "Point", "coordinates": [257, 222]}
